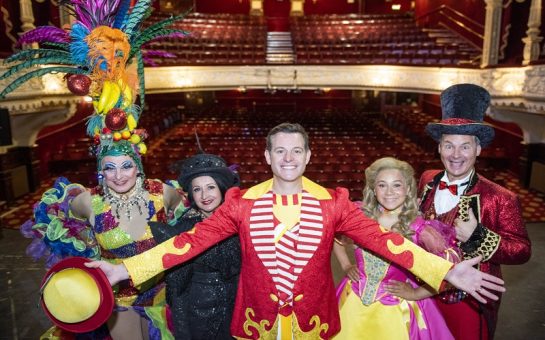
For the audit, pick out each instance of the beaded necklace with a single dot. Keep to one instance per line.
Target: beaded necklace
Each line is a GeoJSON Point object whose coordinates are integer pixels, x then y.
{"type": "Point", "coordinates": [124, 202]}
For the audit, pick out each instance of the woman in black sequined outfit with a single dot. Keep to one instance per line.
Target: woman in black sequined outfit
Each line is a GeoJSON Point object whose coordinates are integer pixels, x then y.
{"type": "Point", "coordinates": [201, 293]}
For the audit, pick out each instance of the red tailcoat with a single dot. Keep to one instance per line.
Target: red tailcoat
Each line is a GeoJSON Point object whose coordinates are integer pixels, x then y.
{"type": "Point", "coordinates": [314, 306]}
{"type": "Point", "coordinates": [501, 237]}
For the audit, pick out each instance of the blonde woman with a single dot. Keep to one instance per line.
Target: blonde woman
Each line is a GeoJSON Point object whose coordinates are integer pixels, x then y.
{"type": "Point", "coordinates": [378, 299]}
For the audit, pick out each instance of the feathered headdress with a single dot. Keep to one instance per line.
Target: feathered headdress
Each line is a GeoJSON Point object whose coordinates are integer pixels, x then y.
{"type": "Point", "coordinates": [102, 56]}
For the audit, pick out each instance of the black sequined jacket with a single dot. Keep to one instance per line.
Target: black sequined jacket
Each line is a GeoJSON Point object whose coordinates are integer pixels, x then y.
{"type": "Point", "coordinates": [201, 292]}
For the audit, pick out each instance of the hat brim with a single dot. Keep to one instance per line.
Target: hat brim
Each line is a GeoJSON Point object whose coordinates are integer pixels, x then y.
{"type": "Point", "coordinates": [484, 132]}
{"type": "Point", "coordinates": [186, 178]}
{"type": "Point", "coordinates": [107, 301]}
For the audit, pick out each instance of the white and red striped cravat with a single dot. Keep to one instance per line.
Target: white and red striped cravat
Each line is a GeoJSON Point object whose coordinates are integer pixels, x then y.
{"type": "Point", "coordinates": [286, 258]}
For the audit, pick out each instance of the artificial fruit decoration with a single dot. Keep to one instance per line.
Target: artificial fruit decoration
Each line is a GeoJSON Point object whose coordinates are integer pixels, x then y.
{"type": "Point", "coordinates": [78, 84]}
{"type": "Point", "coordinates": [116, 119]}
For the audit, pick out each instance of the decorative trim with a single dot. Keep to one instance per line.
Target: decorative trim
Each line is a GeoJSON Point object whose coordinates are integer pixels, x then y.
{"type": "Point", "coordinates": [513, 89]}
{"type": "Point", "coordinates": [8, 24]}
{"type": "Point", "coordinates": [504, 41]}
{"type": "Point", "coordinates": [486, 244]}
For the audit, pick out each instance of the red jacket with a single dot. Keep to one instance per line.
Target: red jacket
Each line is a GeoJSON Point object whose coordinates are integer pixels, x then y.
{"type": "Point", "coordinates": [503, 238]}
{"type": "Point", "coordinates": [314, 306]}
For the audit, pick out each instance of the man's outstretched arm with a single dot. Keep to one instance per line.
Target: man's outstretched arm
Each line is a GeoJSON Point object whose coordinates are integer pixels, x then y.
{"type": "Point", "coordinates": [181, 248]}
{"type": "Point", "coordinates": [394, 247]}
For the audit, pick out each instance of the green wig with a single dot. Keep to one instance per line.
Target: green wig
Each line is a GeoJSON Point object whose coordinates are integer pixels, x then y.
{"type": "Point", "coordinates": [120, 148]}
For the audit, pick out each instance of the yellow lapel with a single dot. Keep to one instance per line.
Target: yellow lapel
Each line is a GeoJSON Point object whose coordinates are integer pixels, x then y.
{"type": "Point", "coordinates": [316, 190]}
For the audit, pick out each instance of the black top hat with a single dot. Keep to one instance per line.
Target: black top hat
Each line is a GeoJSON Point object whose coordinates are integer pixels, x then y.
{"type": "Point", "coordinates": [204, 164]}
{"type": "Point", "coordinates": [463, 107]}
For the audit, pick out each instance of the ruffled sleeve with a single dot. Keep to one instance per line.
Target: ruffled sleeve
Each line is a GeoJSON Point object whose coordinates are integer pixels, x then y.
{"type": "Point", "coordinates": [437, 238]}
{"type": "Point", "coordinates": [56, 233]}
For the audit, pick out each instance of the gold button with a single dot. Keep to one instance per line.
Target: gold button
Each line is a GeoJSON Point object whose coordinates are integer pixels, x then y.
{"type": "Point", "coordinates": [274, 297]}
{"type": "Point", "coordinates": [299, 297]}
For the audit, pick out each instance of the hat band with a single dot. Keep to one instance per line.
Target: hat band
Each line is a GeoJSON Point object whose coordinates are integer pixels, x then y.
{"type": "Point", "coordinates": [459, 121]}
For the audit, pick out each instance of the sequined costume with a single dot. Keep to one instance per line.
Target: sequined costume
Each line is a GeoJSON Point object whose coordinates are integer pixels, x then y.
{"type": "Point", "coordinates": [368, 311]}
{"type": "Point", "coordinates": [201, 293]}
{"type": "Point", "coordinates": [58, 234]}
{"type": "Point", "coordinates": [261, 309]}
{"type": "Point", "coordinates": [115, 245]}
{"type": "Point", "coordinates": [500, 237]}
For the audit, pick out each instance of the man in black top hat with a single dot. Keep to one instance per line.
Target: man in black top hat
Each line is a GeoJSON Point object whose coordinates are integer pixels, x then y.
{"type": "Point", "coordinates": [487, 217]}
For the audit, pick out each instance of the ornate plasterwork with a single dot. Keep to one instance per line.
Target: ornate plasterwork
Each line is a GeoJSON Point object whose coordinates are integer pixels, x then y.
{"type": "Point", "coordinates": [532, 125]}
{"type": "Point", "coordinates": [533, 39]}
{"type": "Point", "coordinates": [492, 33]}
{"type": "Point", "coordinates": [29, 124]}
{"type": "Point", "coordinates": [38, 104]}
{"type": "Point", "coordinates": [520, 89]}
{"type": "Point", "coordinates": [519, 85]}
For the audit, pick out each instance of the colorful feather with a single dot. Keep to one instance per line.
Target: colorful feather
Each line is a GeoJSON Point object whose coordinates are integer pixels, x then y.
{"type": "Point", "coordinates": [164, 23]}
{"type": "Point", "coordinates": [149, 62]}
{"type": "Point", "coordinates": [37, 61]}
{"type": "Point", "coordinates": [141, 79]}
{"type": "Point", "coordinates": [95, 13]}
{"type": "Point", "coordinates": [36, 53]}
{"type": "Point", "coordinates": [60, 46]}
{"type": "Point", "coordinates": [137, 45]}
{"type": "Point", "coordinates": [135, 110]}
{"type": "Point", "coordinates": [94, 124]}
{"type": "Point", "coordinates": [136, 17]}
{"type": "Point", "coordinates": [44, 33]}
{"type": "Point", "coordinates": [38, 73]}
{"type": "Point", "coordinates": [157, 53]}
{"type": "Point", "coordinates": [122, 14]}
{"type": "Point", "coordinates": [79, 47]}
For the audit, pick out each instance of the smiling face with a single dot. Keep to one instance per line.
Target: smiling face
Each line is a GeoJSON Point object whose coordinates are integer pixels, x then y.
{"type": "Point", "coordinates": [119, 173]}
{"type": "Point", "coordinates": [390, 189]}
{"type": "Point", "coordinates": [206, 194]}
{"type": "Point", "coordinates": [458, 154]}
{"type": "Point", "coordinates": [288, 158]}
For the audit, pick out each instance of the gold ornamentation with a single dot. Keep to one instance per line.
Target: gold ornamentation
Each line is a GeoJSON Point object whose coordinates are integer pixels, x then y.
{"type": "Point", "coordinates": [314, 333]}
{"type": "Point", "coordinates": [260, 327]}
{"type": "Point", "coordinates": [465, 204]}
{"type": "Point", "coordinates": [463, 208]}
{"type": "Point", "coordinates": [271, 334]}
{"type": "Point", "coordinates": [488, 246]}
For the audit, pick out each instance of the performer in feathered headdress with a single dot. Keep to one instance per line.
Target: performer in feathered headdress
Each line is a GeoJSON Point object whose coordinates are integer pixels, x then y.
{"type": "Point", "coordinates": [102, 56]}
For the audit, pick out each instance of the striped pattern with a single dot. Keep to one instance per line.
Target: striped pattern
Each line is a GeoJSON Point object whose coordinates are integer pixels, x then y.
{"type": "Point", "coordinates": [286, 259]}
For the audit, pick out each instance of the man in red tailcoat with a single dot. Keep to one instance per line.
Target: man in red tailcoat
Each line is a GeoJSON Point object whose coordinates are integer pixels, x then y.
{"type": "Point", "coordinates": [487, 217]}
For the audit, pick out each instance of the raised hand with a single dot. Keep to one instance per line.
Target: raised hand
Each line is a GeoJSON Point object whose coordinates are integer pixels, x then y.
{"type": "Point", "coordinates": [476, 283]}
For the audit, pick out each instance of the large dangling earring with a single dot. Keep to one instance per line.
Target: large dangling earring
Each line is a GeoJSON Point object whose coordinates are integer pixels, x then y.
{"type": "Point", "coordinates": [100, 180]}
{"type": "Point", "coordinates": [140, 177]}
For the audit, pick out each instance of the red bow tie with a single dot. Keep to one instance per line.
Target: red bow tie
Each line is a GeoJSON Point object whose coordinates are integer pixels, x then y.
{"type": "Point", "coordinates": [453, 188]}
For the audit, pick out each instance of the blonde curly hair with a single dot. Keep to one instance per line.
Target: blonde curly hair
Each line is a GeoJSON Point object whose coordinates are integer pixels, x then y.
{"type": "Point", "coordinates": [409, 208]}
